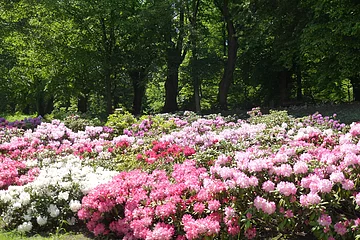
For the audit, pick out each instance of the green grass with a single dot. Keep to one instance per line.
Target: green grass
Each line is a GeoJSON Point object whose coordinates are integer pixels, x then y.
{"type": "Point", "coordinates": [65, 236]}
{"type": "Point", "coordinates": [16, 116]}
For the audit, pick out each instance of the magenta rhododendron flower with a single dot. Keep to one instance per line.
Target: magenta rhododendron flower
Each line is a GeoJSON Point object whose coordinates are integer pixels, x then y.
{"type": "Point", "coordinates": [250, 233]}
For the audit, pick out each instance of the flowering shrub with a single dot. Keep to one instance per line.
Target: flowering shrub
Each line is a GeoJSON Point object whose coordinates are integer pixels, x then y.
{"type": "Point", "coordinates": [253, 189]}
{"type": "Point", "coordinates": [188, 178]}
{"type": "Point", "coordinates": [27, 123]}
{"type": "Point", "coordinates": [53, 198]}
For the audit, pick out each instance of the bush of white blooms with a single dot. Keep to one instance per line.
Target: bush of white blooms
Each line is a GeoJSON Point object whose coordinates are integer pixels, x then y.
{"type": "Point", "coordinates": [54, 198]}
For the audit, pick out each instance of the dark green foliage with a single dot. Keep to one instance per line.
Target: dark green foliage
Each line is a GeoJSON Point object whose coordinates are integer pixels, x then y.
{"type": "Point", "coordinates": [153, 56]}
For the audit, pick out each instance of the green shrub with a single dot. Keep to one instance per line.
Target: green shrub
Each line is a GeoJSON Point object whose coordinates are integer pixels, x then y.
{"type": "Point", "coordinates": [274, 118]}
{"type": "Point", "coordinates": [120, 120]}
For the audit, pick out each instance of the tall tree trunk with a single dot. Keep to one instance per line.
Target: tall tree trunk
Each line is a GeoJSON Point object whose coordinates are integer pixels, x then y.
{"type": "Point", "coordinates": [355, 82]}
{"type": "Point", "coordinates": [49, 105]}
{"type": "Point", "coordinates": [232, 47]}
{"type": "Point", "coordinates": [283, 90]}
{"type": "Point", "coordinates": [194, 67]}
{"type": "Point", "coordinates": [108, 91]}
{"type": "Point", "coordinates": [196, 83]}
{"type": "Point", "coordinates": [82, 103]}
{"type": "Point", "coordinates": [299, 95]}
{"type": "Point", "coordinates": [172, 80]}
{"type": "Point", "coordinates": [174, 57]}
{"type": "Point", "coordinates": [108, 47]}
{"type": "Point", "coordinates": [137, 77]}
{"type": "Point", "coordinates": [40, 104]}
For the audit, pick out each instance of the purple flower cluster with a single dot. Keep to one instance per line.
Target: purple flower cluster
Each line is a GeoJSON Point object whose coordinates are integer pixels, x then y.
{"type": "Point", "coordinates": [27, 123]}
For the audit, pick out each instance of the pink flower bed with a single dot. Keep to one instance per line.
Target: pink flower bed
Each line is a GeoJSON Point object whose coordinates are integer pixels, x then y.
{"type": "Point", "coordinates": [208, 178]}
{"type": "Point", "coordinates": [255, 192]}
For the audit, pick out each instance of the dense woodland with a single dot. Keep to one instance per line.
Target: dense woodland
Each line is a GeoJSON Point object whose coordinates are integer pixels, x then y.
{"type": "Point", "coordinates": [152, 56]}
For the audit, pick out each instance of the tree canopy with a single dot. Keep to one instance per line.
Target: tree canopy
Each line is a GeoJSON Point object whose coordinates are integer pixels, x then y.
{"type": "Point", "coordinates": [162, 56]}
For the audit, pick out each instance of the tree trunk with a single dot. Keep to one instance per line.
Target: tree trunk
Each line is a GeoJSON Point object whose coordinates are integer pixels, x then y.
{"type": "Point", "coordinates": [49, 105]}
{"type": "Point", "coordinates": [299, 95]}
{"type": "Point", "coordinates": [108, 92]}
{"type": "Point", "coordinates": [174, 57]}
{"type": "Point", "coordinates": [228, 75]}
{"type": "Point", "coordinates": [172, 79]}
{"type": "Point", "coordinates": [108, 47]}
{"type": "Point", "coordinates": [283, 90]}
{"type": "Point", "coordinates": [137, 77]}
{"type": "Point", "coordinates": [40, 104]}
{"type": "Point", "coordinates": [82, 103]}
{"type": "Point", "coordinates": [355, 82]}
{"type": "Point", "coordinates": [194, 67]}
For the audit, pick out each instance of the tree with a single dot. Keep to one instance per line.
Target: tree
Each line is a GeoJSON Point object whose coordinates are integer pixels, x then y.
{"type": "Point", "coordinates": [174, 35]}
{"type": "Point", "coordinates": [232, 46]}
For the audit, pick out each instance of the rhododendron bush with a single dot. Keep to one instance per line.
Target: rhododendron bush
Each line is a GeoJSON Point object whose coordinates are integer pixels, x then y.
{"type": "Point", "coordinates": [190, 178]}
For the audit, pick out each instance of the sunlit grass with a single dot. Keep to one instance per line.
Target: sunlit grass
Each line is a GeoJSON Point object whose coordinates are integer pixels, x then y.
{"type": "Point", "coordinates": [16, 116]}
{"type": "Point", "coordinates": [63, 236]}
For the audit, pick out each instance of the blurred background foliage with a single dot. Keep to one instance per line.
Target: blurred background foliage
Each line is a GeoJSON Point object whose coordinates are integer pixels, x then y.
{"type": "Point", "coordinates": [163, 56]}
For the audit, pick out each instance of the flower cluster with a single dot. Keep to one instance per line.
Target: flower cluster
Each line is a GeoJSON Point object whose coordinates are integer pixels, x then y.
{"type": "Point", "coordinates": [165, 151]}
{"type": "Point", "coordinates": [52, 197]}
{"type": "Point", "coordinates": [27, 123]}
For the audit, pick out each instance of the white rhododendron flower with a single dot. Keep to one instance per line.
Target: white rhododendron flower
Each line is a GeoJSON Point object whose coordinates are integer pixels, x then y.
{"type": "Point", "coordinates": [41, 220]}
{"type": "Point", "coordinates": [53, 210]}
{"type": "Point", "coordinates": [63, 195]}
{"type": "Point", "coordinates": [75, 205]}
{"type": "Point", "coordinates": [25, 227]}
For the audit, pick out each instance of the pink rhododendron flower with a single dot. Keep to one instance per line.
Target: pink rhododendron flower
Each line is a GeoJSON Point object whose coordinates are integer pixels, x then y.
{"type": "Point", "coordinates": [250, 233]}
{"type": "Point", "coordinates": [213, 205]}
{"type": "Point", "coordinates": [348, 184]}
{"type": "Point", "coordinates": [357, 199]}
{"type": "Point", "coordinates": [286, 188]}
{"type": "Point", "coordinates": [162, 231]}
{"type": "Point", "coordinates": [289, 214]}
{"type": "Point", "coordinates": [325, 185]}
{"type": "Point", "coordinates": [165, 210]}
{"type": "Point", "coordinates": [324, 220]}
{"type": "Point", "coordinates": [309, 199]}
{"type": "Point", "coordinates": [200, 227]}
{"type": "Point", "coordinates": [199, 208]}
{"type": "Point", "coordinates": [337, 177]}
{"type": "Point", "coordinates": [264, 205]}
{"type": "Point", "coordinates": [284, 170]}
{"type": "Point", "coordinates": [340, 228]}
{"type": "Point", "coordinates": [229, 212]}
{"type": "Point", "coordinates": [300, 167]}
{"type": "Point", "coordinates": [268, 186]}
{"type": "Point", "coordinates": [99, 229]}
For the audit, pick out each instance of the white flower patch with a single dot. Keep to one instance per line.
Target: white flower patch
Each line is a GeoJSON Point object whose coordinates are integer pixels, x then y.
{"type": "Point", "coordinates": [55, 195]}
